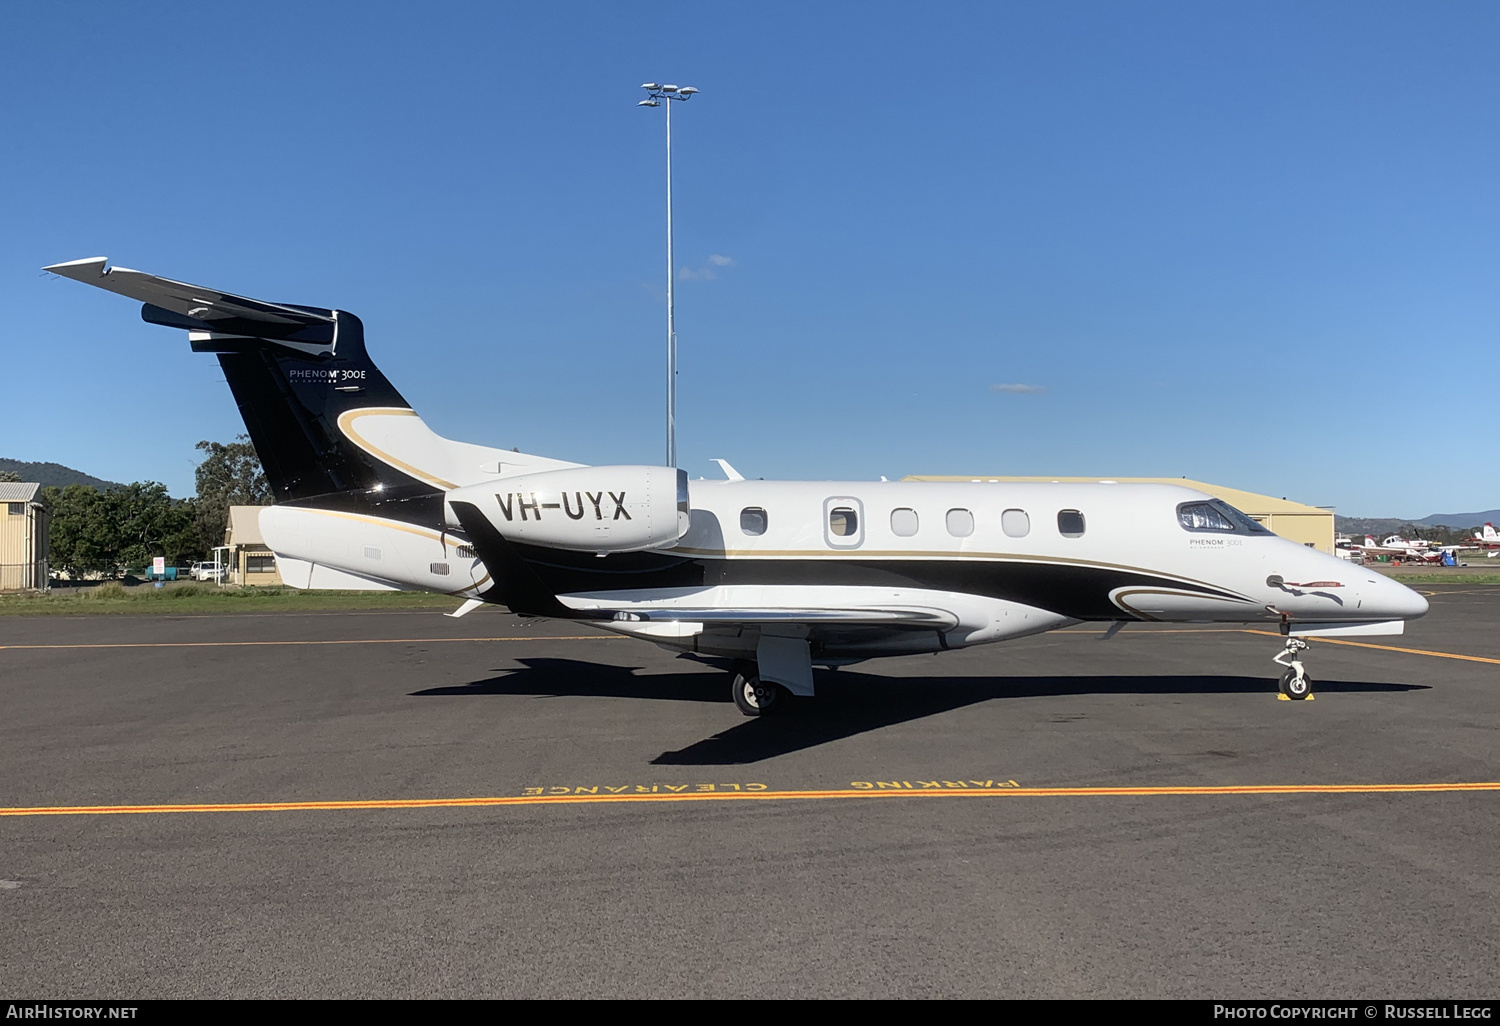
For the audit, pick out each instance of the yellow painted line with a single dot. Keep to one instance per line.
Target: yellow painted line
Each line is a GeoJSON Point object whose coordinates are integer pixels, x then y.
{"type": "Point", "coordinates": [592, 799]}
{"type": "Point", "coordinates": [1392, 648]}
{"type": "Point", "coordinates": [1275, 634]}
{"type": "Point", "coordinates": [370, 641]}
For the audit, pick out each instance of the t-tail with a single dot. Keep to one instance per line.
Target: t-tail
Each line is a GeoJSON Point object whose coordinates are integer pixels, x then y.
{"type": "Point", "coordinates": [330, 429]}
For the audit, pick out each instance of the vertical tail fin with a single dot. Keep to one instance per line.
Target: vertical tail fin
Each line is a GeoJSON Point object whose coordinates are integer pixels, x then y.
{"type": "Point", "coordinates": [291, 399]}
{"type": "Point", "coordinates": [294, 370]}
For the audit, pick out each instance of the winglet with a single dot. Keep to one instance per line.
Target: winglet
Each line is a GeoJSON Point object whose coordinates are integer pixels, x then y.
{"type": "Point", "coordinates": [729, 472]}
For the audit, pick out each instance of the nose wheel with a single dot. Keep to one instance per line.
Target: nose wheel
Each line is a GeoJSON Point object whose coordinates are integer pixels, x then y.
{"type": "Point", "coordinates": [1295, 683]}
{"type": "Point", "coordinates": [756, 697]}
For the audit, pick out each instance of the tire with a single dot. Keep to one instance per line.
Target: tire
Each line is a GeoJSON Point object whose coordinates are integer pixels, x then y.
{"type": "Point", "coordinates": [1292, 688]}
{"type": "Point", "coordinates": [755, 697]}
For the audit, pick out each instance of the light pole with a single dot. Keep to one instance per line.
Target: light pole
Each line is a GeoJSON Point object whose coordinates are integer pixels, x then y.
{"type": "Point", "coordinates": [656, 95]}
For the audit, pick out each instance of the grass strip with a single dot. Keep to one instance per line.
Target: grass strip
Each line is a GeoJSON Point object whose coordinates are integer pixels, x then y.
{"type": "Point", "coordinates": [113, 597]}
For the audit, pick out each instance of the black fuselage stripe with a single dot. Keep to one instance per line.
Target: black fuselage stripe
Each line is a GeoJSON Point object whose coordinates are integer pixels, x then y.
{"type": "Point", "coordinates": [1079, 591]}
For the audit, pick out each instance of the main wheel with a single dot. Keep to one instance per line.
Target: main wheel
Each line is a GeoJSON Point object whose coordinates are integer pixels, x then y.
{"type": "Point", "coordinates": [754, 696]}
{"type": "Point", "coordinates": [1295, 687]}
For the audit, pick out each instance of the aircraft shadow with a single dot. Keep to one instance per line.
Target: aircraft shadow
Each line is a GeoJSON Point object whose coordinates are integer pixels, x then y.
{"type": "Point", "coordinates": [555, 678]}
{"type": "Point", "coordinates": [853, 703]}
{"type": "Point", "coordinates": [848, 703]}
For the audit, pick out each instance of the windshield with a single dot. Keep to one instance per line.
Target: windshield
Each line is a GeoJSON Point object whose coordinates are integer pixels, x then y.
{"type": "Point", "coordinates": [1216, 515]}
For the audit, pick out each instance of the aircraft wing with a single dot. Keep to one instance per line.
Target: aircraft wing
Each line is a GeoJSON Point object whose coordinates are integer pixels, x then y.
{"type": "Point", "coordinates": [914, 616]}
{"type": "Point", "coordinates": [204, 308]}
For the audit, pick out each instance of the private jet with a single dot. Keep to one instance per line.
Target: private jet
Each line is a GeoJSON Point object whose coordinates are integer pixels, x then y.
{"type": "Point", "coordinates": [775, 577]}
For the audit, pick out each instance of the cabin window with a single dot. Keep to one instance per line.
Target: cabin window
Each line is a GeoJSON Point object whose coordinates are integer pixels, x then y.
{"type": "Point", "coordinates": [903, 522]}
{"type": "Point", "coordinates": [960, 523]}
{"type": "Point", "coordinates": [1015, 523]}
{"type": "Point", "coordinates": [843, 522]}
{"type": "Point", "coordinates": [1070, 523]}
{"type": "Point", "coordinates": [753, 520]}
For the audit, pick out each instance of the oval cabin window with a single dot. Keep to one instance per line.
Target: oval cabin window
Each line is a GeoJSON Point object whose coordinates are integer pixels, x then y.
{"type": "Point", "coordinates": [753, 520]}
{"type": "Point", "coordinates": [1070, 523]}
{"type": "Point", "coordinates": [960, 523]}
{"type": "Point", "coordinates": [903, 522]}
{"type": "Point", "coordinates": [1015, 523]}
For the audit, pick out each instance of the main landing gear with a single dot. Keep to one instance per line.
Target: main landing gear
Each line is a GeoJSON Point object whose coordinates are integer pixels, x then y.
{"type": "Point", "coordinates": [756, 697]}
{"type": "Point", "coordinates": [1295, 684]}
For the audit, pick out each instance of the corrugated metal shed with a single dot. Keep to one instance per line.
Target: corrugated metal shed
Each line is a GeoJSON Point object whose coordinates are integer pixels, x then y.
{"type": "Point", "coordinates": [18, 491]}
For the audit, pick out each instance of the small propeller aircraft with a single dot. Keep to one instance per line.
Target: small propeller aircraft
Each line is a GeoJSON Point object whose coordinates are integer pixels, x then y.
{"type": "Point", "coordinates": [774, 576]}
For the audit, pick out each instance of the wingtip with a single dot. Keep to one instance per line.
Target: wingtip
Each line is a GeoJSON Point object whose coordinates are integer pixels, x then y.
{"type": "Point", "coordinates": [80, 270]}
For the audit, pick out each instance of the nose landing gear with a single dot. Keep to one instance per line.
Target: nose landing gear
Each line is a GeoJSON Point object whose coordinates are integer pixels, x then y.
{"type": "Point", "coordinates": [1295, 684]}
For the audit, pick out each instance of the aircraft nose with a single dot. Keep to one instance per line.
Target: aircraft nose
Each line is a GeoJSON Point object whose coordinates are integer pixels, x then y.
{"type": "Point", "coordinates": [1393, 600]}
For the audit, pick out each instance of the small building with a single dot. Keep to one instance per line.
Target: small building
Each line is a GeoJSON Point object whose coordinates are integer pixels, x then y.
{"type": "Point", "coordinates": [23, 537]}
{"type": "Point", "coordinates": [1308, 525]}
{"type": "Point", "coordinates": [251, 561]}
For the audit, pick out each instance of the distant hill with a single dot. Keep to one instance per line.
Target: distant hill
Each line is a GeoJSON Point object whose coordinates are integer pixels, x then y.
{"type": "Point", "coordinates": [1378, 526]}
{"type": "Point", "coordinates": [1382, 526]}
{"type": "Point", "coordinates": [54, 474]}
{"type": "Point", "coordinates": [1489, 516]}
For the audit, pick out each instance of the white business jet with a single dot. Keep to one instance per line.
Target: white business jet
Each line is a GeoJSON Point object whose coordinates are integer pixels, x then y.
{"type": "Point", "coordinates": [777, 576]}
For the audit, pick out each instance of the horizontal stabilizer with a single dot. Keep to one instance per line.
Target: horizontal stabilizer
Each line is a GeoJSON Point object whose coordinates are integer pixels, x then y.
{"type": "Point", "coordinates": [199, 308]}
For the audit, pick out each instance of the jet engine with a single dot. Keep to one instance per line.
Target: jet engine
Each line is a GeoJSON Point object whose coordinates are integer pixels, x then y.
{"type": "Point", "coordinates": [586, 509]}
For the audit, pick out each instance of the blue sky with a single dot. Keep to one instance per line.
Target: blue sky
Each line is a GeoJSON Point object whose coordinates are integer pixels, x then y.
{"type": "Point", "coordinates": [1250, 243]}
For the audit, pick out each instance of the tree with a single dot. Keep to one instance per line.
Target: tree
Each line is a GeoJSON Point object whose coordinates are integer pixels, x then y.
{"type": "Point", "coordinates": [82, 538]}
{"type": "Point", "coordinates": [230, 475]}
{"type": "Point", "coordinates": [9, 477]}
{"type": "Point", "coordinates": [127, 526]}
{"type": "Point", "coordinates": [151, 523]}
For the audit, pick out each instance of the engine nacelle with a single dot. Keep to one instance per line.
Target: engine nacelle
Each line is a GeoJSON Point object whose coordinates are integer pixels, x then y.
{"type": "Point", "coordinates": [587, 509]}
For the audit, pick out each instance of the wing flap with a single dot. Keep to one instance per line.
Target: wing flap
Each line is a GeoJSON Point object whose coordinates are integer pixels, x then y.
{"type": "Point", "coordinates": [915, 616]}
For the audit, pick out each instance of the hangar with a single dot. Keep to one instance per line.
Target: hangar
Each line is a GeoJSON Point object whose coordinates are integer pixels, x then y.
{"type": "Point", "coordinates": [23, 537]}
{"type": "Point", "coordinates": [1310, 525]}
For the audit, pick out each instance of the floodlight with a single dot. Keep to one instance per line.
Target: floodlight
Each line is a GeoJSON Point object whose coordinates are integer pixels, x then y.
{"type": "Point", "coordinates": [669, 89]}
{"type": "Point", "coordinates": [649, 85]}
{"type": "Point", "coordinates": [648, 103]}
{"type": "Point", "coordinates": [687, 90]}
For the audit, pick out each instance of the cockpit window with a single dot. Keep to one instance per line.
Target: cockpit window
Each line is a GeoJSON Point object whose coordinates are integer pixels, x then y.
{"type": "Point", "coordinates": [1216, 516]}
